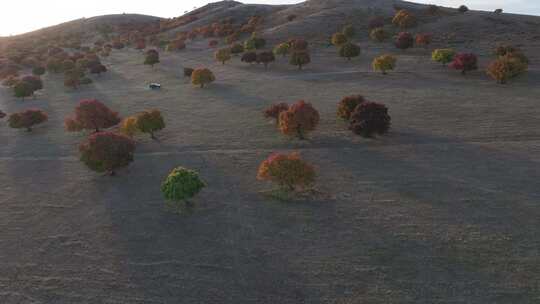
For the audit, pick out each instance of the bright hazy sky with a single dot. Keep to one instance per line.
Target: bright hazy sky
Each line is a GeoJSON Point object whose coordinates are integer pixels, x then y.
{"type": "Point", "coordinates": [23, 16]}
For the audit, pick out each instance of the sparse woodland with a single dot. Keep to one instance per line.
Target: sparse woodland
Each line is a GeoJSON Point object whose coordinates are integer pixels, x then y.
{"type": "Point", "coordinates": [380, 49]}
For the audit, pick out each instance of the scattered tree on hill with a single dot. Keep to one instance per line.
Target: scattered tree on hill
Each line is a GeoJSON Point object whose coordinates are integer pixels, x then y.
{"type": "Point", "coordinates": [91, 114]}
{"type": "Point", "coordinates": [378, 34]}
{"type": "Point", "coordinates": [54, 65]}
{"type": "Point", "coordinates": [300, 119]}
{"type": "Point", "coordinates": [423, 39]}
{"type": "Point", "coordinates": [384, 63]}
{"type": "Point", "coordinates": [23, 89]}
{"type": "Point", "coordinates": [150, 121]}
{"type": "Point", "coordinates": [152, 57]}
{"type": "Point", "coordinates": [72, 78]}
{"type": "Point", "coordinates": [282, 49]}
{"type": "Point", "coordinates": [289, 171]}
{"type": "Point", "coordinates": [349, 50]}
{"type": "Point", "coordinates": [265, 58]}
{"type": "Point", "coordinates": [506, 67]}
{"type": "Point", "coordinates": [444, 56]}
{"type": "Point", "coordinates": [201, 77]}
{"type": "Point", "coordinates": [38, 71]}
{"type": "Point", "coordinates": [181, 185]}
{"type": "Point", "coordinates": [433, 10]}
{"type": "Point", "coordinates": [254, 43]}
{"type": "Point", "coordinates": [300, 58]}
{"type": "Point", "coordinates": [404, 40]}
{"type": "Point", "coordinates": [404, 19]}
{"type": "Point", "coordinates": [498, 11]}
{"type": "Point", "coordinates": [298, 44]}
{"type": "Point", "coordinates": [236, 49]}
{"type": "Point", "coordinates": [274, 110]}
{"type": "Point", "coordinates": [107, 152]}
{"type": "Point", "coordinates": [465, 62]}
{"type": "Point", "coordinates": [338, 39]}
{"type": "Point", "coordinates": [223, 55]}
{"type": "Point", "coordinates": [176, 45]}
{"type": "Point", "coordinates": [370, 118]}
{"type": "Point", "coordinates": [68, 64]}
{"type": "Point", "coordinates": [27, 119]}
{"type": "Point", "coordinates": [249, 57]}
{"type": "Point", "coordinates": [463, 9]}
{"type": "Point", "coordinates": [140, 44]}
{"type": "Point", "coordinates": [35, 82]}
{"type": "Point", "coordinates": [347, 105]}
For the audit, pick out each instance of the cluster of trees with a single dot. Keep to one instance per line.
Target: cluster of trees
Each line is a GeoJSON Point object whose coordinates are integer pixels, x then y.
{"type": "Point", "coordinates": [295, 120]}
{"type": "Point", "coordinates": [365, 118]}
{"type": "Point", "coordinates": [26, 119]}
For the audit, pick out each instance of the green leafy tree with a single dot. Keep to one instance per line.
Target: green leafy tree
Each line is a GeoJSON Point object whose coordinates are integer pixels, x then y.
{"type": "Point", "coordinates": [150, 121]}
{"type": "Point", "coordinates": [181, 185]}
{"type": "Point", "coordinates": [349, 50]}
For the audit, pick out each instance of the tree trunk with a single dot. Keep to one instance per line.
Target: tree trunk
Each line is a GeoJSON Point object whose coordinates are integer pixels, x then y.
{"type": "Point", "coordinates": [202, 85]}
{"type": "Point", "coordinates": [300, 133]}
{"type": "Point", "coordinates": [152, 135]}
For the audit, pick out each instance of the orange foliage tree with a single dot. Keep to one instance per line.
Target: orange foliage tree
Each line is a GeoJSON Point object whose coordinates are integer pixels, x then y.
{"type": "Point", "coordinates": [299, 119]}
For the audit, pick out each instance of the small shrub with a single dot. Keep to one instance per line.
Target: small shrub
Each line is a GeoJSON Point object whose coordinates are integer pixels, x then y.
{"type": "Point", "coordinates": [201, 77]}
{"type": "Point", "coordinates": [498, 11]}
{"type": "Point", "coordinates": [223, 55]}
{"type": "Point", "coordinates": [266, 58]}
{"type": "Point", "coordinates": [378, 34]}
{"type": "Point", "coordinates": [444, 56]}
{"type": "Point", "coordinates": [465, 62]}
{"type": "Point", "coordinates": [249, 57]}
{"type": "Point", "coordinates": [54, 65]}
{"type": "Point", "coordinates": [300, 119]}
{"type": "Point", "coordinates": [463, 9]}
{"type": "Point", "coordinates": [291, 18]}
{"type": "Point", "coordinates": [91, 114]}
{"type": "Point", "coordinates": [282, 49]}
{"type": "Point", "coordinates": [86, 80]}
{"type": "Point", "coordinates": [27, 119]}
{"type": "Point", "coordinates": [338, 39]}
{"type": "Point", "coordinates": [150, 121]}
{"type": "Point", "coordinates": [349, 50]}
{"type": "Point", "coordinates": [289, 171]}
{"type": "Point", "coordinates": [274, 110]}
{"type": "Point", "coordinates": [300, 58]}
{"type": "Point", "coordinates": [176, 45]}
{"type": "Point", "coordinates": [370, 118]}
{"type": "Point", "coordinates": [404, 40]}
{"type": "Point", "coordinates": [181, 185]}
{"type": "Point", "coordinates": [384, 63]}
{"type": "Point", "coordinates": [107, 152]}
{"type": "Point", "coordinates": [347, 105]}
{"type": "Point", "coordinates": [188, 72]}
